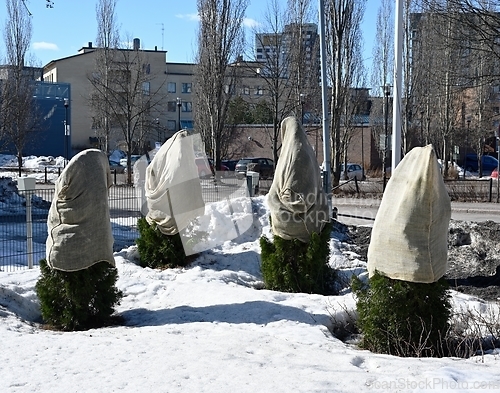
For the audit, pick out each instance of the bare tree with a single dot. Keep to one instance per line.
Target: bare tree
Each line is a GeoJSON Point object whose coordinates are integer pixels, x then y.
{"type": "Point", "coordinates": [383, 48]}
{"type": "Point", "coordinates": [442, 65]}
{"type": "Point", "coordinates": [382, 71]}
{"type": "Point", "coordinates": [220, 41]}
{"type": "Point", "coordinates": [18, 108]}
{"type": "Point", "coordinates": [108, 41]}
{"type": "Point", "coordinates": [126, 91]}
{"type": "Point", "coordinates": [476, 24]}
{"type": "Point", "coordinates": [287, 57]}
{"type": "Point", "coordinates": [276, 60]}
{"type": "Point", "coordinates": [343, 26]}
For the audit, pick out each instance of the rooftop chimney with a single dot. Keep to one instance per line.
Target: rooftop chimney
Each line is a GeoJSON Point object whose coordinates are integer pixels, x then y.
{"type": "Point", "coordinates": [137, 44]}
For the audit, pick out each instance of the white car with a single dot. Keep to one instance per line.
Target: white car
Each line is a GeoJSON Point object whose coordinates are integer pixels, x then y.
{"type": "Point", "coordinates": [353, 171]}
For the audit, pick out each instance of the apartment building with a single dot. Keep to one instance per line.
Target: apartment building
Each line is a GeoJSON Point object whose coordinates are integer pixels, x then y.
{"type": "Point", "coordinates": [170, 83]}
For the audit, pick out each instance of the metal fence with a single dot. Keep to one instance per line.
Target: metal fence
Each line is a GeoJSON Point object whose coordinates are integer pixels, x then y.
{"type": "Point", "coordinates": [22, 240]}
{"type": "Point", "coordinates": [23, 225]}
{"type": "Point", "coordinates": [469, 190]}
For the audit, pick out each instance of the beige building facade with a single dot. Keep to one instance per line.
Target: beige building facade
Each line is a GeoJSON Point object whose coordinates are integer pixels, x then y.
{"type": "Point", "coordinates": [170, 83]}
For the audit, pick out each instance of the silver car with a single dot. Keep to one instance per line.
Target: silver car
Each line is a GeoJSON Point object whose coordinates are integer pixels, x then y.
{"type": "Point", "coordinates": [353, 171]}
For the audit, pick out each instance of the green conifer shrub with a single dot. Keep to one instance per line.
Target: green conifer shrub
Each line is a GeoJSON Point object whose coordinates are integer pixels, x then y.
{"type": "Point", "coordinates": [294, 266]}
{"type": "Point", "coordinates": [157, 250]}
{"type": "Point", "coordinates": [402, 318]}
{"type": "Point", "coordinates": [78, 300]}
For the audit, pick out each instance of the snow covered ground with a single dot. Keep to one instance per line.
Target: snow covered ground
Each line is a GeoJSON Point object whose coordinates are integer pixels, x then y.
{"type": "Point", "coordinates": [211, 327]}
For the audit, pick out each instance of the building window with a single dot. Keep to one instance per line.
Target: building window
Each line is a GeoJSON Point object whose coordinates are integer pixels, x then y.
{"type": "Point", "coordinates": [171, 87]}
{"type": "Point", "coordinates": [146, 68]}
{"type": "Point", "coordinates": [146, 88]}
{"type": "Point", "coordinates": [259, 91]}
{"type": "Point", "coordinates": [186, 87]}
{"type": "Point", "coordinates": [245, 90]}
{"type": "Point", "coordinates": [171, 125]}
{"type": "Point", "coordinates": [187, 106]}
{"type": "Point", "coordinates": [172, 106]}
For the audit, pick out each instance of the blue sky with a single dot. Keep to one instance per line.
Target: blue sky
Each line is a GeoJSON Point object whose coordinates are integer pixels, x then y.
{"type": "Point", "coordinates": [61, 31]}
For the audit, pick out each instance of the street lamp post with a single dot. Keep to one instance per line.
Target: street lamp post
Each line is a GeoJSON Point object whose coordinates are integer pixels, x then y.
{"type": "Point", "coordinates": [466, 143]}
{"type": "Point", "coordinates": [301, 97]}
{"type": "Point", "coordinates": [497, 140]}
{"type": "Point", "coordinates": [362, 152]}
{"type": "Point", "coordinates": [179, 104]}
{"type": "Point", "coordinates": [421, 126]}
{"type": "Point", "coordinates": [387, 91]}
{"type": "Point", "coordinates": [66, 129]}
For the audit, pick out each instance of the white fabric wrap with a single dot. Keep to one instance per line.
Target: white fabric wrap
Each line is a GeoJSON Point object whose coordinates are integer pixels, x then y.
{"type": "Point", "coordinates": [409, 239]}
{"type": "Point", "coordinates": [172, 187]}
{"type": "Point", "coordinates": [296, 200]}
{"type": "Point", "coordinates": [79, 225]}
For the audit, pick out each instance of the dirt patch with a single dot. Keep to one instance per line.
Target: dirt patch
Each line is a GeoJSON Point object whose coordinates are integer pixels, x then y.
{"type": "Point", "coordinates": [473, 255]}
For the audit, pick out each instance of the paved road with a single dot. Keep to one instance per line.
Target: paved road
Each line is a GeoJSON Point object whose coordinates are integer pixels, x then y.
{"type": "Point", "coordinates": [367, 208]}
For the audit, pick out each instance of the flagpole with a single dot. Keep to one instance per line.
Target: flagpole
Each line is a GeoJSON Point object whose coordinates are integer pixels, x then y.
{"type": "Point", "coordinates": [397, 85]}
{"type": "Point", "coordinates": [324, 94]}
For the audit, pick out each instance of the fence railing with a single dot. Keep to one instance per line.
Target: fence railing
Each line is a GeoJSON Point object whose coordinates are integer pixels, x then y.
{"type": "Point", "coordinates": [23, 236]}
{"type": "Point", "coordinates": [468, 190]}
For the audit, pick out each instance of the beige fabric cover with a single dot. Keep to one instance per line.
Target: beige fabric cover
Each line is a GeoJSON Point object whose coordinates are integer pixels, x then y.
{"type": "Point", "coordinates": [296, 200]}
{"type": "Point", "coordinates": [172, 187]}
{"type": "Point", "coordinates": [79, 225]}
{"type": "Point", "coordinates": [409, 239]}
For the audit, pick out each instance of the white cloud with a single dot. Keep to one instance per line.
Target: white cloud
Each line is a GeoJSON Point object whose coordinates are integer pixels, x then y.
{"type": "Point", "coordinates": [44, 46]}
{"type": "Point", "coordinates": [190, 17]}
{"type": "Point", "coordinates": [250, 23]}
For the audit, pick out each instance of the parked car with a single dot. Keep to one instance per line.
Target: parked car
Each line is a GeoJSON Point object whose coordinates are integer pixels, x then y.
{"type": "Point", "coordinates": [489, 163]}
{"type": "Point", "coordinates": [265, 167]}
{"type": "Point", "coordinates": [353, 171]}
{"type": "Point", "coordinates": [231, 164]}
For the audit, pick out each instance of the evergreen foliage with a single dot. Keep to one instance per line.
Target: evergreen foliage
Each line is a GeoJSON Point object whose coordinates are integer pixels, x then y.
{"type": "Point", "coordinates": [78, 300]}
{"type": "Point", "coordinates": [158, 250]}
{"type": "Point", "coordinates": [294, 266]}
{"type": "Point", "coordinates": [402, 318]}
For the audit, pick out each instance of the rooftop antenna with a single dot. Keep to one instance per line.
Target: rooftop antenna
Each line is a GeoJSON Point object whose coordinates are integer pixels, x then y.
{"type": "Point", "coordinates": [162, 33]}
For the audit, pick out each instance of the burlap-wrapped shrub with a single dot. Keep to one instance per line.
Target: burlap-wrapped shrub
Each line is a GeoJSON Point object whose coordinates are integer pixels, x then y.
{"type": "Point", "coordinates": [296, 260]}
{"type": "Point", "coordinates": [405, 309]}
{"type": "Point", "coordinates": [409, 239]}
{"type": "Point", "coordinates": [76, 287]}
{"type": "Point", "coordinates": [172, 186]}
{"type": "Point", "coordinates": [174, 199]}
{"type": "Point", "coordinates": [296, 199]}
{"type": "Point", "coordinates": [79, 225]}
